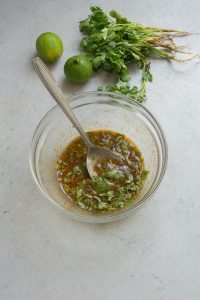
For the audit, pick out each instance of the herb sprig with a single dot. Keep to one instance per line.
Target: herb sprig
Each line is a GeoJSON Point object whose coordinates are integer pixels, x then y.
{"type": "Point", "coordinates": [112, 42]}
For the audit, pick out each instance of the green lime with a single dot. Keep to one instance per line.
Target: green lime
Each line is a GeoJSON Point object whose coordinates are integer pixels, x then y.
{"type": "Point", "coordinates": [49, 46]}
{"type": "Point", "coordinates": [78, 68]}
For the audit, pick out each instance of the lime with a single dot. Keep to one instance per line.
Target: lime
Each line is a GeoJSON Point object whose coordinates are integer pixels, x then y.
{"type": "Point", "coordinates": [49, 46]}
{"type": "Point", "coordinates": [78, 68]}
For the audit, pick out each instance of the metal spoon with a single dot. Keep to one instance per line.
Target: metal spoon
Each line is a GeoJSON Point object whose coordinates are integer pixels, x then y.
{"type": "Point", "coordinates": [94, 153]}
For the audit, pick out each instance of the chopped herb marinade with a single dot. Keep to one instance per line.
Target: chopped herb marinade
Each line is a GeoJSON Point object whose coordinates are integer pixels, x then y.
{"type": "Point", "coordinates": [117, 183]}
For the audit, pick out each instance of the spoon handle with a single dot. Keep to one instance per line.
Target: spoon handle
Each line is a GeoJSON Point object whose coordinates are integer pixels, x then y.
{"type": "Point", "coordinates": [49, 82]}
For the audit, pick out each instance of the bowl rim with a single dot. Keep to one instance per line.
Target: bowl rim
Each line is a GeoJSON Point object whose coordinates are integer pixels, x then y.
{"type": "Point", "coordinates": [101, 218]}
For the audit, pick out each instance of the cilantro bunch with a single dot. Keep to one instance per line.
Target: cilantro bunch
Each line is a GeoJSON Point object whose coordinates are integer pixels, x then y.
{"type": "Point", "coordinates": [112, 42]}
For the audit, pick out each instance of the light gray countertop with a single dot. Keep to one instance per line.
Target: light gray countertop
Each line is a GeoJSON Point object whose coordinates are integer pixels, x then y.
{"type": "Point", "coordinates": [153, 254]}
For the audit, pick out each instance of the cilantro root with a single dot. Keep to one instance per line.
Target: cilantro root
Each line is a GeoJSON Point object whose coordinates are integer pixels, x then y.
{"type": "Point", "coordinates": [112, 42]}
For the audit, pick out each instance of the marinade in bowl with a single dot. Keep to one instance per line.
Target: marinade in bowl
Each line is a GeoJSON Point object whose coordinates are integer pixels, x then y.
{"type": "Point", "coordinates": [117, 183]}
{"type": "Point", "coordinates": [97, 111]}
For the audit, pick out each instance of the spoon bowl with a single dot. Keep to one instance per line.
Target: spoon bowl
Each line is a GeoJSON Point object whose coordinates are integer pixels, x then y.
{"type": "Point", "coordinates": [97, 154]}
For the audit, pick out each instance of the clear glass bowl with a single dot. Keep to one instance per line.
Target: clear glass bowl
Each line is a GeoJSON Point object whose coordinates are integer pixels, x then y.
{"type": "Point", "coordinates": [97, 110]}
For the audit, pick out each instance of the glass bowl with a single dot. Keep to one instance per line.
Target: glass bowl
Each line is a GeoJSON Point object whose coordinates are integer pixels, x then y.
{"type": "Point", "coordinates": [97, 110]}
